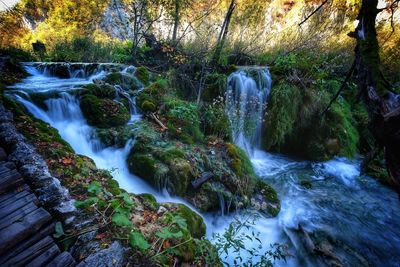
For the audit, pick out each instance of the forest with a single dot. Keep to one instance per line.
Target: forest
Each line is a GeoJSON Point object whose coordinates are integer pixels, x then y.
{"type": "Point", "coordinates": [200, 132]}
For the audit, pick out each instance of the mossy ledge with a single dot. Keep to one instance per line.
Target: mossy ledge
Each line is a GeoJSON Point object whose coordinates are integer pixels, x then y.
{"type": "Point", "coordinates": [97, 196]}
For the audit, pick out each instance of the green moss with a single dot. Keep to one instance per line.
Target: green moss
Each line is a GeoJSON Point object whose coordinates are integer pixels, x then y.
{"type": "Point", "coordinates": [283, 107]}
{"type": "Point", "coordinates": [125, 80]}
{"type": "Point", "coordinates": [167, 156]}
{"type": "Point", "coordinates": [103, 113]}
{"type": "Point", "coordinates": [180, 172]}
{"type": "Point", "coordinates": [100, 91]}
{"type": "Point", "coordinates": [113, 187]}
{"type": "Point", "coordinates": [148, 106]}
{"type": "Point", "coordinates": [143, 75]}
{"type": "Point", "coordinates": [150, 98]}
{"type": "Point", "coordinates": [40, 98]}
{"type": "Point", "coordinates": [241, 163]}
{"type": "Point", "coordinates": [142, 165]}
{"type": "Point", "coordinates": [117, 136]}
{"type": "Point", "coordinates": [195, 223]}
{"type": "Point", "coordinates": [149, 201]}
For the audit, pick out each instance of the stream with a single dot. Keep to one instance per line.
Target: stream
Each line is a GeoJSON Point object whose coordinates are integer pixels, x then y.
{"type": "Point", "coordinates": [355, 217]}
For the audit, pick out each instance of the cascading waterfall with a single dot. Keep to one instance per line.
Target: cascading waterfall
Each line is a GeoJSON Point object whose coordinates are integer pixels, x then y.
{"type": "Point", "coordinates": [357, 213]}
{"type": "Point", "coordinates": [246, 98]}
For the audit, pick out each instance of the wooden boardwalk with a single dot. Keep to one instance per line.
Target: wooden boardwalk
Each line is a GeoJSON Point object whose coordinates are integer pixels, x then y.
{"type": "Point", "coordinates": [26, 228]}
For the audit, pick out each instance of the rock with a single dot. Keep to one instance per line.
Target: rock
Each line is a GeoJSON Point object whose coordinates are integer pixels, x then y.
{"type": "Point", "coordinates": [113, 256]}
{"type": "Point", "coordinates": [161, 210]}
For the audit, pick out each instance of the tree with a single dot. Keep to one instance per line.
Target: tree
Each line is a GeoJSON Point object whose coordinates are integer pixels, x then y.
{"type": "Point", "coordinates": [382, 103]}
{"type": "Point", "coordinates": [224, 32]}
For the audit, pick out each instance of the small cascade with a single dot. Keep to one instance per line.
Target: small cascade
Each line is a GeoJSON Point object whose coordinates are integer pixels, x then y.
{"type": "Point", "coordinates": [67, 70]}
{"type": "Point", "coordinates": [246, 97]}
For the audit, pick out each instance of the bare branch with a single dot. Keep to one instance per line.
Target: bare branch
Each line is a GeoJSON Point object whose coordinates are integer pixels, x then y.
{"type": "Point", "coordinates": [342, 87]}
{"type": "Point", "coordinates": [312, 13]}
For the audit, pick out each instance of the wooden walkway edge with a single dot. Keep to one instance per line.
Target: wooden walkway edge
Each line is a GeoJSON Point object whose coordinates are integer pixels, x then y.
{"type": "Point", "coordinates": [26, 228]}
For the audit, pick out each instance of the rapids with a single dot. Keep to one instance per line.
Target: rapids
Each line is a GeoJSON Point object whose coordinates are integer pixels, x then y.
{"type": "Point", "coordinates": [359, 216]}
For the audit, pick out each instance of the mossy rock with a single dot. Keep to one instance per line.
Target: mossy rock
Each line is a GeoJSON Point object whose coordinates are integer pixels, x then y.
{"type": "Point", "coordinates": [103, 113]}
{"type": "Point", "coordinates": [143, 75]}
{"type": "Point", "coordinates": [266, 200]}
{"type": "Point", "coordinates": [125, 80]}
{"type": "Point", "coordinates": [180, 175]}
{"type": "Point", "coordinates": [294, 124]}
{"type": "Point", "coordinates": [149, 201]}
{"type": "Point", "coordinates": [195, 222]}
{"type": "Point", "coordinates": [40, 98]}
{"type": "Point", "coordinates": [115, 137]}
{"type": "Point", "coordinates": [11, 72]}
{"type": "Point", "coordinates": [142, 165]}
{"type": "Point", "coordinates": [149, 99]}
{"type": "Point", "coordinates": [148, 106]}
{"type": "Point", "coordinates": [241, 163]}
{"type": "Point", "coordinates": [100, 91]}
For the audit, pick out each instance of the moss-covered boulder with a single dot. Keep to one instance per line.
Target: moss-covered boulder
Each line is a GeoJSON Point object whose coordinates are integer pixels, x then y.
{"type": "Point", "coordinates": [149, 99]}
{"type": "Point", "coordinates": [103, 113]}
{"type": "Point", "coordinates": [116, 136]}
{"type": "Point", "coordinates": [265, 199]}
{"type": "Point", "coordinates": [125, 80]}
{"type": "Point", "coordinates": [195, 222]}
{"type": "Point", "coordinates": [99, 90]}
{"type": "Point", "coordinates": [143, 75]}
{"type": "Point", "coordinates": [294, 124]}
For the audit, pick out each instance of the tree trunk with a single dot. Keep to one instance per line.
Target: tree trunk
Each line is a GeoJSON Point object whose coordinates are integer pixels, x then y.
{"type": "Point", "coordinates": [224, 33]}
{"type": "Point", "coordinates": [383, 106]}
{"type": "Point", "coordinates": [176, 21]}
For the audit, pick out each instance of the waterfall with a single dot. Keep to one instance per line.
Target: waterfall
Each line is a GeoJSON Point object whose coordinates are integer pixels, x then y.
{"type": "Point", "coordinates": [246, 97]}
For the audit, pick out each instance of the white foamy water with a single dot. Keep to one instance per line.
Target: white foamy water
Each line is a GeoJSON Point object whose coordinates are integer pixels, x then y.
{"type": "Point", "coordinates": [359, 212]}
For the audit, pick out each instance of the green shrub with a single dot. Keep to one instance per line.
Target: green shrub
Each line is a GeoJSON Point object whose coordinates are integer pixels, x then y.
{"type": "Point", "coordinates": [143, 75]}
{"type": "Point", "coordinates": [216, 122]}
{"type": "Point", "coordinates": [184, 121]}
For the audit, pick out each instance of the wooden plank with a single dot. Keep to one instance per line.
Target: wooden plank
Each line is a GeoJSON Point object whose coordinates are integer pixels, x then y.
{"type": "Point", "coordinates": [205, 176]}
{"type": "Point", "coordinates": [45, 257]}
{"type": "Point", "coordinates": [45, 231]}
{"type": "Point", "coordinates": [63, 260]}
{"type": "Point", "coordinates": [20, 230]}
{"type": "Point", "coordinates": [13, 206]}
{"type": "Point", "coordinates": [13, 192]}
{"type": "Point", "coordinates": [10, 180]}
{"type": "Point", "coordinates": [30, 253]}
{"type": "Point", "coordinates": [14, 198]}
{"type": "Point", "coordinates": [17, 215]}
{"type": "Point", "coordinates": [7, 164]}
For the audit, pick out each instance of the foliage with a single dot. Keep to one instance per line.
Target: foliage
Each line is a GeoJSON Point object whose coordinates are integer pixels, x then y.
{"type": "Point", "coordinates": [103, 113]}
{"type": "Point", "coordinates": [232, 243]}
{"type": "Point", "coordinates": [183, 120]}
{"type": "Point", "coordinates": [215, 121]}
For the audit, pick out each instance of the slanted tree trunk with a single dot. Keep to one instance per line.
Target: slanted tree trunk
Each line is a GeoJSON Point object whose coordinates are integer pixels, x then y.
{"type": "Point", "coordinates": [176, 21]}
{"type": "Point", "coordinates": [383, 105]}
{"type": "Point", "coordinates": [224, 32]}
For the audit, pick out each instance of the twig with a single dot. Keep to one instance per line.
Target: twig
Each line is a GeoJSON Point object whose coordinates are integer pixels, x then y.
{"type": "Point", "coordinates": [342, 87]}
{"type": "Point", "coordinates": [180, 244]}
{"type": "Point", "coordinates": [315, 11]}
{"type": "Point", "coordinates": [154, 117]}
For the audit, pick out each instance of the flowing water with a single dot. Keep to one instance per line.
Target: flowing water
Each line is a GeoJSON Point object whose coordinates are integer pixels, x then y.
{"type": "Point", "coordinates": [356, 216]}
